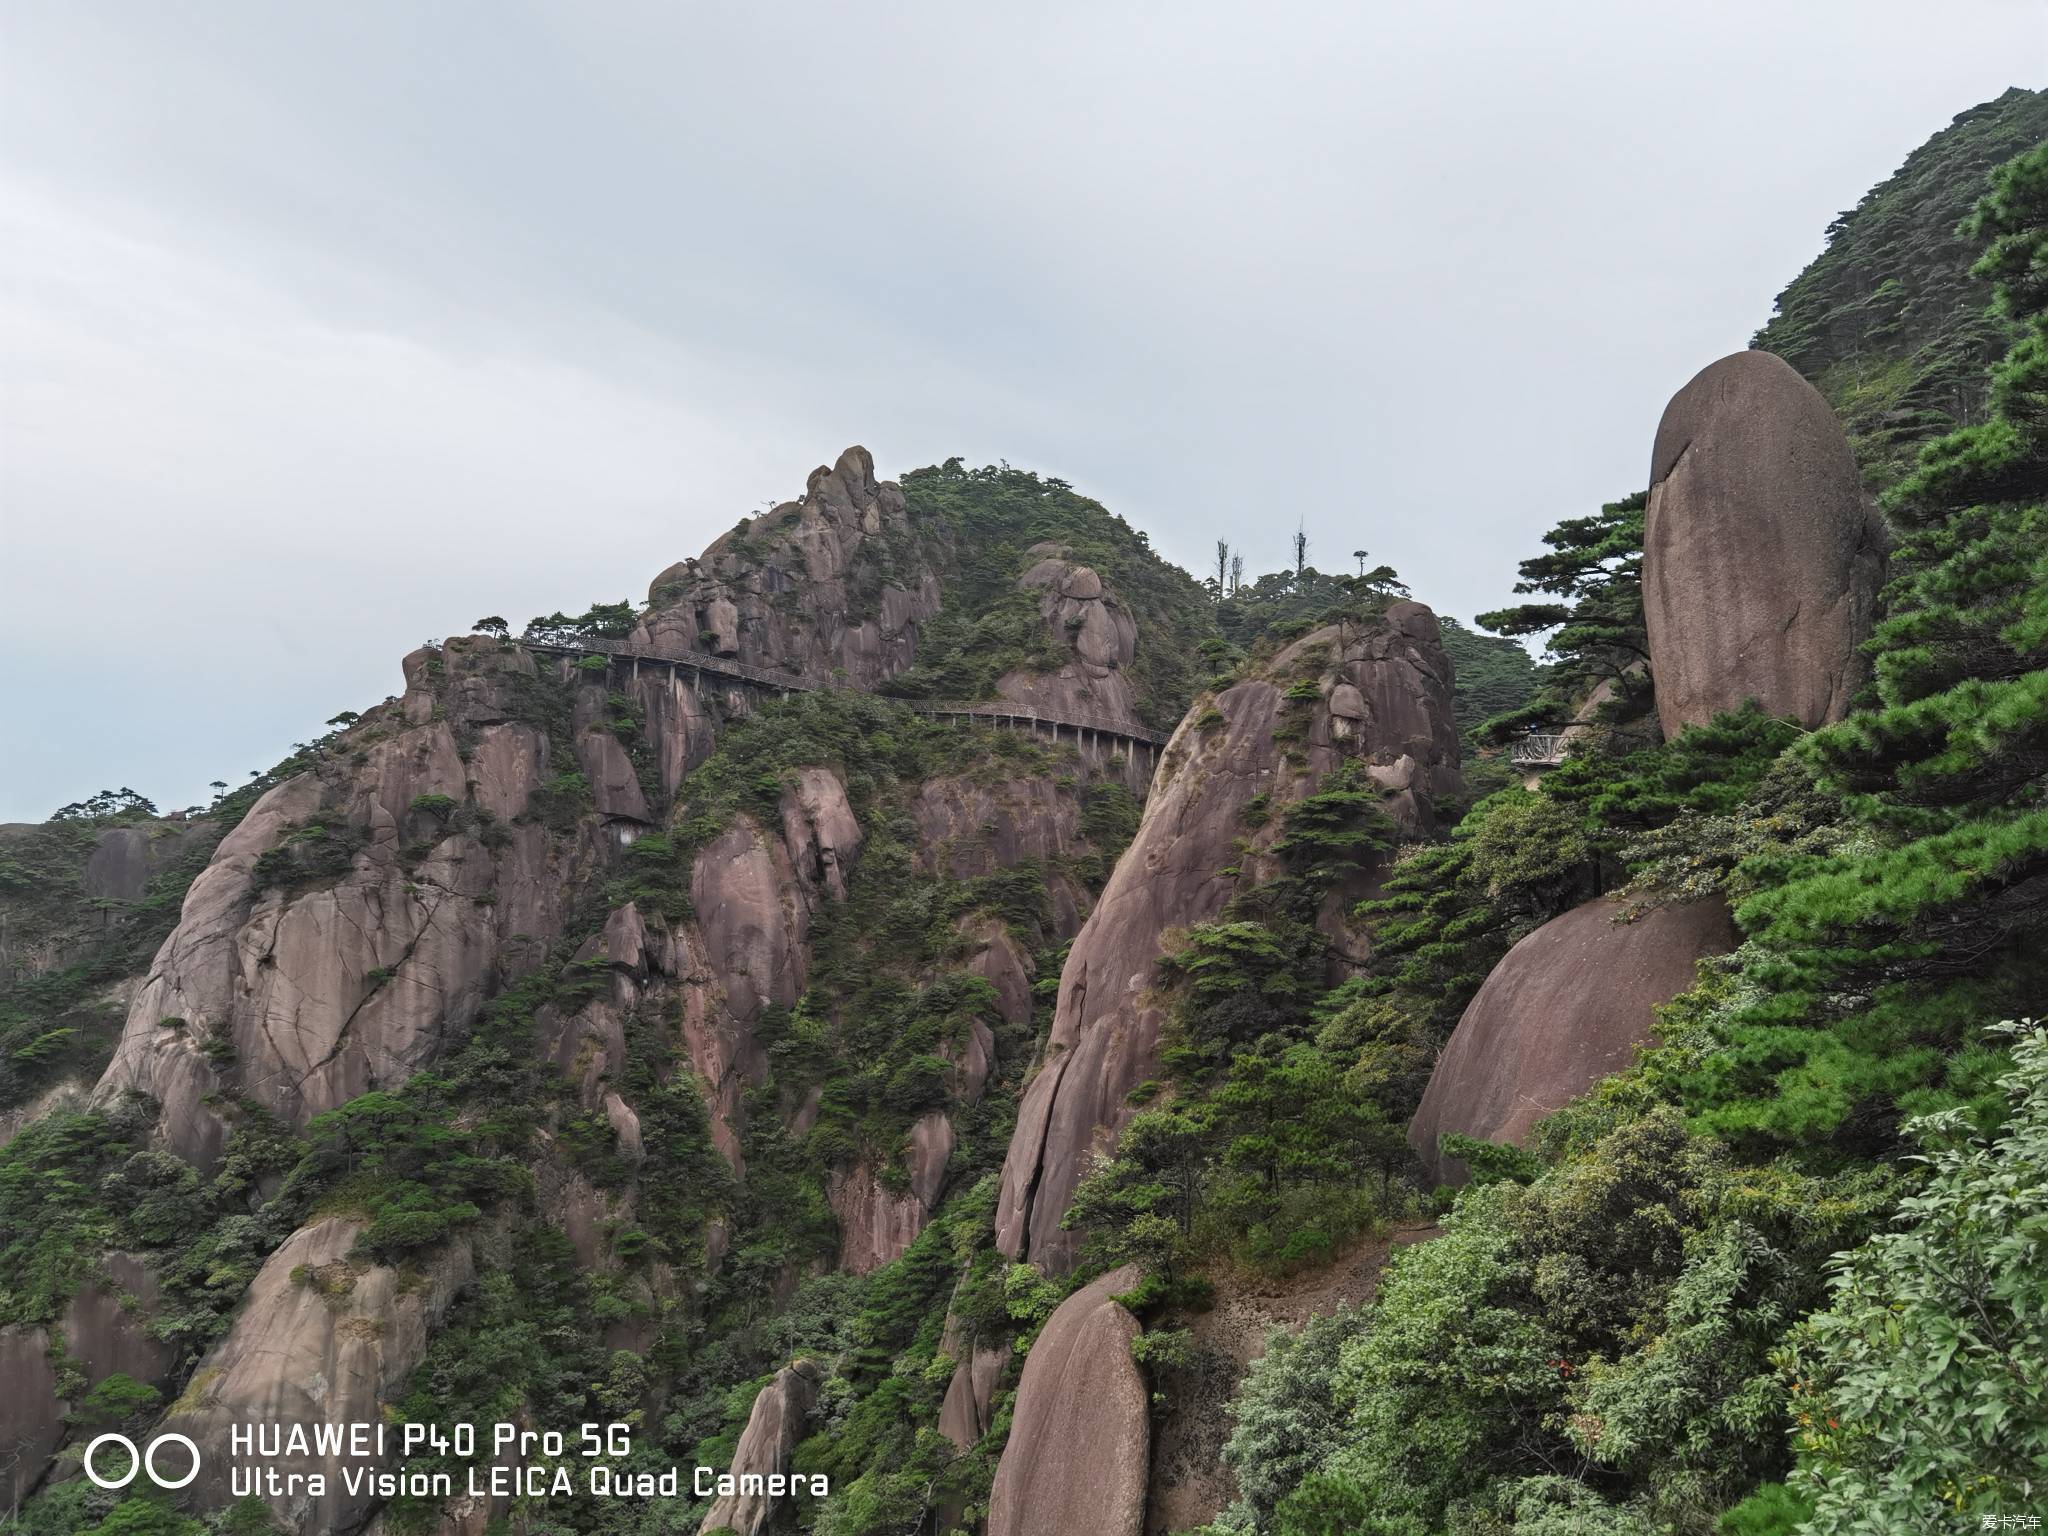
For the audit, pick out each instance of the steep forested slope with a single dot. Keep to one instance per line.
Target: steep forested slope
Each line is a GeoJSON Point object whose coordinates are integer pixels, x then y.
{"type": "Point", "coordinates": [1888, 321]}
{"type": "Point", "coordinates": [1609, 1337]}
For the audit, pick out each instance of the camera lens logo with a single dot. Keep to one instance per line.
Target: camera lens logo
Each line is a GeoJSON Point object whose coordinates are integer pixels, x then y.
{"type": "Point", "coordinates": [141, 1461]}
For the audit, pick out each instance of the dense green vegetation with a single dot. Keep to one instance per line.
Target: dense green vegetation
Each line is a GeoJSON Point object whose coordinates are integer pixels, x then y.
{"type": "Point", "coordinates": [1889, 322]}
{"type": "Point", "coordinates": [1608, 1337]}
{"type": "Point", "coordinates": [1495, 676]}
{"type": "Point", "coordinates": [1595, 625]}
{"type": "Point", "coordinates": [984, 521]}
{"type": "Point", "coordinates": [62, 947]}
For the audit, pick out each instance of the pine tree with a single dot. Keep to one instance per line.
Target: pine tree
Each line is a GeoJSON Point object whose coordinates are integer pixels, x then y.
{"type": "Point", "coordinates": [1930, 920]}
{"type": "Point", "coordinates": [1595, 567]}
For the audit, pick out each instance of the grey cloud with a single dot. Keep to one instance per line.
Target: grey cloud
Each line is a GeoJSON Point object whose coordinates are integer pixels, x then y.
{"type": "Point", "coordinates": [327, 327]}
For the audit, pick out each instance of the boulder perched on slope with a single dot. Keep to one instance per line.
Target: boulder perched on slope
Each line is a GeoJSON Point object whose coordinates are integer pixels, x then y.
{"type": "Point", "coordinates": [1563, 1009]}
{"type": "Point", "coordinates": [1080, 1438]}
{"type": "Point", "coordinates": [1761, 555]}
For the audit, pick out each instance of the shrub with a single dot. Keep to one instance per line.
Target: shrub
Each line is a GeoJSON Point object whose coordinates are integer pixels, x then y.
{"type": "Point", "coordinates": [1924, 1384]}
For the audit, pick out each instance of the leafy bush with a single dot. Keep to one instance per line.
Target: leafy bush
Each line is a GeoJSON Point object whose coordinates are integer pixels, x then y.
{"type": "Point", "coordinates": [1922, 1388]}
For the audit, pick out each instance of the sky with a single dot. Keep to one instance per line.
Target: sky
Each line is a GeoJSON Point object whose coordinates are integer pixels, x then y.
{"type": "Point", "coordinates": [326, 329]}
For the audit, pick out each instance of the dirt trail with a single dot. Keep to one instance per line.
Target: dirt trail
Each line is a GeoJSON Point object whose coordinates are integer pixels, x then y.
{"type": "Point", "coordinates": [1189, 1481]}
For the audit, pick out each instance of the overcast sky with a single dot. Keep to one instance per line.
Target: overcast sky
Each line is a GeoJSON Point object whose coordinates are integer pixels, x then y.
{"type": "Point", "coordinates": [326, 328]}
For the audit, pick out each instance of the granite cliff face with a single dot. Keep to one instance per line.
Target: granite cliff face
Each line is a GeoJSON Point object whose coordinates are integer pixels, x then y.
{"type": "Point", "coordinates": [323, 1338]}
{"type": "Point", "coordinates": [359, 914]}
{"type": "Point", "coordinates": [829, 586]}
{"type": "Point", "coordinates": [1380, 697]}
{"type": "Point", "coordinates": [1761, 556]}
{"type": "Point", "coordinates": [774, 1426]}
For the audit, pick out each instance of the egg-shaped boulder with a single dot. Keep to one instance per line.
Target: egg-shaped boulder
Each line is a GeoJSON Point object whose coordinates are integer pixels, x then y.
{"type": "Point", "coordinates": [1761, 554]}
{"type": "Point", "coordinates": [1564, 1008]}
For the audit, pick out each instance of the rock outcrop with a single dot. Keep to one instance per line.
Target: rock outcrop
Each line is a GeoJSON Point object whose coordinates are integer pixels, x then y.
{"type": "Point", "coordinates": [813, 587]}
{"type": "Point", "coordinates": [773, 1429]}
{"type": "Point", "coordinates": [876, 1223]}
{"type": "Point", "coordinates": [966, 1413]}
{"type": "Point", "coordinates": [104, 1331]}
{"type": "Point", "coordinates": [1091, 625]}
{"type": "Point", "coordinates": [31, 1417]}
{"type": "Point", "coordinates": [967, 828]}
{"type": "Point", "coordinates": [1565, 1007]}
{"type": "Point", "coordinates": [301, 985]}
{"type": "Point", "coordinates": [1079, 1451]}
{"type": "Point", "coordinates": [1761, 555]}
{"type": "Point", "coordinates": [746, 952]}
{"type": "Point", "coordinates": [1381, 698]}
{"type": "Point", "coordinates": [322, 1339]}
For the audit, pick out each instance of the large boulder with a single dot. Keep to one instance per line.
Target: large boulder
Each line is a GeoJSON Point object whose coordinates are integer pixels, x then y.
{"type": "Point", "coordinates": [773, 1429]}
{"type": "Point", "coordinates": [1382, 701]}
{"type": "Point", "coordinates": [1080, 1445]}
{"type": "Point", "coordinates": [1565, 1007]}
{"type": "Point", "coordinates": [1761, 555]}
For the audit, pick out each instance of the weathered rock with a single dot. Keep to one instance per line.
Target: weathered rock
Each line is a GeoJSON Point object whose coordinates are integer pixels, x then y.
{"type": "Point", "coordinates": [1080, 1439]}
{"type": "Point", "coordinates": [967, 828]}
{"type": "Point", "coordinates": [745, 951]}
{"type": "Point", "coordinates": [321, 1339]}
{"type": "Point", "coordinates": [877, 1223]}
{"type": "Point", "coordinates": [1185, 863]}
{"type": "Point", "coordinates": [819, 830]}
{"type": "Point", "coordinates": [325, 985]}
{"type": "Point", "coordinates": [1565, 1007]}
{"type": "Point", "coordinates": [31, 1417]}
{"type": "Point", "coordinates": [509, 762]}
{"type": "Point", "coordinates": [1002, 962]}
{"type": "Point", "coordinates": [1091, 623]}
{"type": "Point", "coordinates": [614, 783]}
{"type": "Point", "coordinates": [104, 1331]}
{"type": "Point", "coordinates": [194, 976]}
{"type": "Point", "coordinates": [1761, 555]}
{"type": "Point", "coordinates": [966, 1413]}
{"type": "Point", "coordinates": [681, 724]}
{"type": "Point", "coordinates": [773, 1429]}
{"type": "Point", "coordinates": [810, 587]}
{"type": "Point", "coordinates": [106, 1327]}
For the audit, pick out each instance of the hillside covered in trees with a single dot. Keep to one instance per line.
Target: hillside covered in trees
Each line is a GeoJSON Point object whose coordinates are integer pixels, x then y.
{"type": "Point", "coordinates": [938, 1004]}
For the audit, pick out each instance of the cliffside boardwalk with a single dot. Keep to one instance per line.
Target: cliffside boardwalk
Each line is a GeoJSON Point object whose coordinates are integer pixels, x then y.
{"type": "Point", "coordinates": [1089, 731]}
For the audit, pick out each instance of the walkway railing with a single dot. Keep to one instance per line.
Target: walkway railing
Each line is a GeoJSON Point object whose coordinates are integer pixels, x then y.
{"type": "Point", "coordinates": [1541, 750]}
{"type": "Point", "coordinates": [791, 682]}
